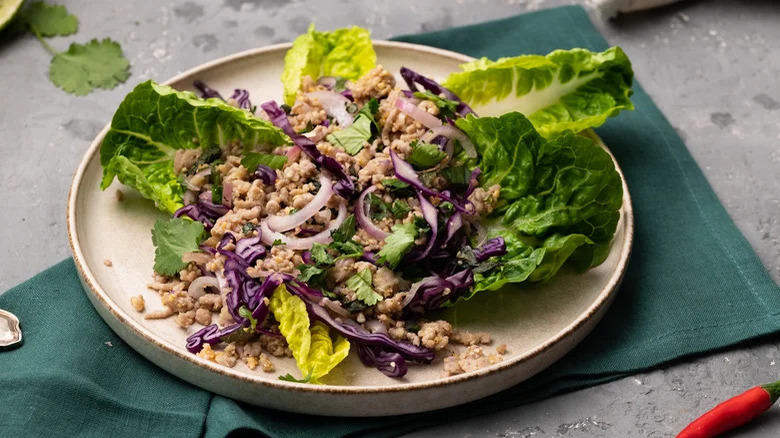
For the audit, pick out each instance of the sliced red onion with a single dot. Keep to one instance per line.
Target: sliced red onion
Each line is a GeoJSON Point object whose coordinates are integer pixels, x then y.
{"type": "Point", "coordinates": [431, 216]}
{"type": "Point", "coordinates": [189, 197]}
{"type": "Point", "coordinates": [285, 223]}
{"type": "Point", "coordinates": [227, 194]}
{"type": "Point", "coordinates": [375, 326]}
{"type": "Point", "coordinates": [335, 105]}
{"type": "Point", "coordinates": [198, 286]}
{"type": "Point", "coordinates": [306, 257]}
{"type": "Point", "coordinates": [327, 81]}
{"type": "Point", "coordinates": [334, 307]}
{"type": "Point", "coordinates": [427, 119]}
{"type": "Point", "coordinates": [305, 243]}
{"type": "Point", "coordinates": [362, 215]}
{"type": "Point", "coordinates": [453, 133]}
{"type": "Point", "coordinates": [293, 153]}
{"type": "Point", "coordinates": [200, 258]}
{"type": "Point", "coordinates": [190, 185]}
{"type": "Point", "coordinates": [453, 225]}
{"type": "Point", "coordinates": [406, 173]}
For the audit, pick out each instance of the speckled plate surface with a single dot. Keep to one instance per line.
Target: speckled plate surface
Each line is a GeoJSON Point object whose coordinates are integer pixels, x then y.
{"type": "Point", "coordinates": [539, 324]}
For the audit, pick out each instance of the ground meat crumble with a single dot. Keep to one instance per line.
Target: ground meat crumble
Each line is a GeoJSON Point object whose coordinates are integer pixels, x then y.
{"type": "Point", "coordinates": [296, 184]}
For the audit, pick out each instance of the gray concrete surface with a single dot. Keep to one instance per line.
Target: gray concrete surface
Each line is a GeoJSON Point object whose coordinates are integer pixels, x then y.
{"type": "Point", "coordinates": [711, 66]}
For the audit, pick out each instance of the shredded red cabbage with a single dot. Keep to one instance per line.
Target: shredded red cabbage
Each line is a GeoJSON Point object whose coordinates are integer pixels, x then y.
{"type": "Point", "coordinates": [434, 291]}
{"type": "Point", "coordinates": [241, 97]}
{"type": "Point", "coordinates": [206, 92]}
{"type": "Point", "coordinates": [391, 364]}
{"type": "Point", "coordinates": [203, 211]}
{"type": "Point", "coordinates": [266, 174]}
{"type": "Point", "coordinates": [343, 184]}
{"type": "Point", "coordinates": [493, 247]}
{"type": "Point", "coordinates": [406, 173]}
{"type": "Point", "coordinates": [413, 78]}
{"type": "Point", "coordinates": [211, 334]}
{"type": "Point", "coordinates": [359, 335]}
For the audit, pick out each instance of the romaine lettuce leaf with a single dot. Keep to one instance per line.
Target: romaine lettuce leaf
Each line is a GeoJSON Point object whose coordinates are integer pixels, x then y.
{"type": "Point", "coordinates": [154, 120]}
{"type": "Point", "coordinates": [315, 352]}
{"type": "Point", "coordinates": [559, 199]}
{"type": "Point", "coordinates": [345, 52]}
{"type": "Point", "coordinates": [566, 89]}
{"type": "Point", "coordinates": [529, 260]}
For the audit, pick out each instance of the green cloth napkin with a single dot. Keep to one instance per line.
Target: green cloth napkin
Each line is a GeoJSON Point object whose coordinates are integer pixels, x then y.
{"type": "Point", "coordinates": [694, 284]}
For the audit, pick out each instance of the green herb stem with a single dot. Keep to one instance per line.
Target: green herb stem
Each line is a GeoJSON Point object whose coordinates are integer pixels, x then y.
{"type": "Point", "coordinates": [43, 41]}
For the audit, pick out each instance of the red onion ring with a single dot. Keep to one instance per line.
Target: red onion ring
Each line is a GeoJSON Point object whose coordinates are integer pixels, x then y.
{"type": "Point", "coordinates": [375, 326]}
{"type": "Point", "coordinates": [198, 286]}
{"type": "Point", "coordinates": [427, 119]}
{"type": "Point", "coordinates": [227, 194]}
{"type": "Point", "coordinates": [200, 258]}
{"type": "Point", "coordinates": [285, 223]}
{"type": "Point", "coordinates": [334, 307]}
{"type": "Point", "coordinates": [293, 154]}
{"type": "Point", "coordinates": [335, 105]}
{"type": "Point", "coordinates": [268, 236]}
{"type": "Point", "coordinates": [452, 133]}
{"type": "Point", "coordinates": [361, 214]}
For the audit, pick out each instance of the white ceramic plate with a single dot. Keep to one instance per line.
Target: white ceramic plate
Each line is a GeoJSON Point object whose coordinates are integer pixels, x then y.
{"type": "Point", "coordinates": [539, 324]}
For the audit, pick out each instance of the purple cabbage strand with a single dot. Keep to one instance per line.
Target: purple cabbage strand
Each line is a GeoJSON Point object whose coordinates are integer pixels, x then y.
{"type": "Point", "coordinates": [413, 78]}
{"type": "Point", "coordinates": [343, 185]}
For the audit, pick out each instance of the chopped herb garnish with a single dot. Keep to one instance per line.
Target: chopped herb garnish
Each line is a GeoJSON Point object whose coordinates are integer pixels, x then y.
{"type": "Point", "coordinates": [251, 160]}
{"type": "Point", "coordinates": [289, 378]}
{"type": "Point", "coordinates": [397, 244]}
{"type": "Point", "coordinates": [345, 232]}
{"type": "Point", "coordinates": [248, 228]}
{"type": "Point", "coordinates": [399, 208]}
{"type": "Point", "coordinates": [361, 284]}
{"type": "Point", "coordinates": [447, 108]}
{"type": "Point", "coordinates": [319, 253]}
{"type": "Point", "coordinates": [277, 242]}
{"type": "Point", "coordinates": [425, 155]}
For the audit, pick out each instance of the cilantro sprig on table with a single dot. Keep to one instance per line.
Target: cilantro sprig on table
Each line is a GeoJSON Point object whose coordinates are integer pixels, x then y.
{"type": "Point", "coordinates": [83, 67]}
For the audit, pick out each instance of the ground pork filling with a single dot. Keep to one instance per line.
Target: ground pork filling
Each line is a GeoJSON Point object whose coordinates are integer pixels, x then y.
{"type": "Point", "coordinates": [296, 185]}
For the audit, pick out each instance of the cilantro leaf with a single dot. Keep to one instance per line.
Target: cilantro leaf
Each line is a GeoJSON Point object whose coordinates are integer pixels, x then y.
{"type": "Point", "coordinates": [251, 160]}
{"type": "Point", "coordinates": [277, 242]}
{"type": "Point", "coordinates": [345, 232]}
{"type": "Point", "coordinates": [397, 244]}
{"type": "Point", "coordinates": [84, 67]}
{"type": "Point", "coordinates": [377, 206]}
{"type": "Point", "coordinates": [399, 208]}
{"type": "Point", "coordinates": [246, 313]}
{"type": "Point", "coordinates": [289, 378]}
{"type": "Point", "coordinates": [319, 253]}
{"type": "Point", "coordinates": [360, 283]}
{"type": "Point", "coordinates": [457, 175]}
{"type": "Point", "coordinates": [347, 250]}
{"type": "Point", "coordinates": [171, 239]}
{"type": "Point", "coordinates": [394, 184]}
{"type": "Point", "coordinates": [425, 155]}
{"type": "Point", "coordinates": [354, 137]}
{"type": "Point", "coordinates": [49, 20]}
{"type": "Point", "coordinates": [311, 274]}
{"type": "Point", "coordinates": [447, 108]}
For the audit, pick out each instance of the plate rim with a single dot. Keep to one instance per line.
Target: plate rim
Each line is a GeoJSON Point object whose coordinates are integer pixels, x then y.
{"type": "Point", "coordinates": [594, 309]}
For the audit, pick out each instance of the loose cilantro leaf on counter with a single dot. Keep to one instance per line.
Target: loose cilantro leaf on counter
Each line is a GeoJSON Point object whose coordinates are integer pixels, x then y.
{"type": "Point", "coordinates": [360, 283]}
{"type": "Point", "coordinates": [84, 67]}
{"type": "Point", "coordinates": [49, 20]}
{"type": "Point", "coordinates": [425, 155]}
{"type": "Point", "coordinates": [397, 244]}
{"type": "Point", "coordinates": [251, 160]}
{"type": "Point", "coordinates": [172, 238]}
